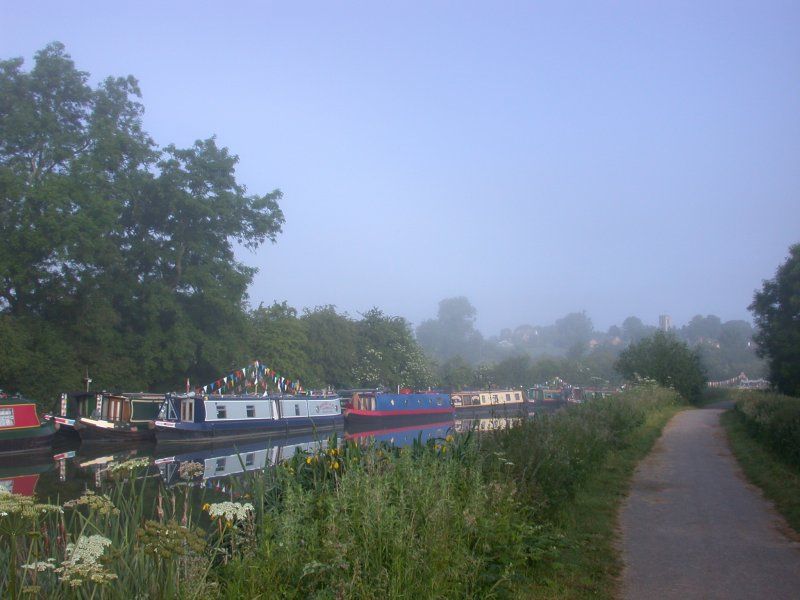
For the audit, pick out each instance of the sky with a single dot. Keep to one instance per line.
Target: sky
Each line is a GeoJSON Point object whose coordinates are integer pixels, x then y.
{"type": "Point", "coordinates": [539, 158]}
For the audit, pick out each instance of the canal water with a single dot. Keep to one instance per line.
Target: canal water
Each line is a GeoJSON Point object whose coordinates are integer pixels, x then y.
{"type": "Point", "coordinates": [72, 467]}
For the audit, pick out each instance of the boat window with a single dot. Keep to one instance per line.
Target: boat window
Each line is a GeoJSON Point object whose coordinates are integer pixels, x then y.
{"type": "Point", "coordinates": [249, 459]}
{"type": "Point", "coordinates": [297, 410]}
{"type": "Point", "coordinates": [187, 410]}
{"type": "Point", "coordinates": [516, 396]}
{"type": "Point", "coordinates": [391, 401]}
{"type": "Point", "coordinates": [220, 464]}
{"type": "Point", "coordinates": [251, 411]}
{"type": "Point", "coordinates": [222, 413]}
{"type": "Point", "coordinates": [6, 417]}
{"type": "Point", "coordinates": [508, 397]}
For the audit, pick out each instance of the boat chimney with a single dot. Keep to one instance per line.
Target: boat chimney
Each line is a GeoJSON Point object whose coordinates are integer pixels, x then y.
{"type": "Point", "coordinates": [86, 380]}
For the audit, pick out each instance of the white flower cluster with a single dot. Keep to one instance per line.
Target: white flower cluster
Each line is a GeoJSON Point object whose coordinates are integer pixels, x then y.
{"type": "Point", "coordinates": [87, 549]}
{"type": "Point", "coordinates": [130, 465]}
{"type": "Point", "coordinates": [230, 511]}
{"type": "Point", "coordinates": [40, 566]}
{"type": "Point", "coordinates": [82, 564]}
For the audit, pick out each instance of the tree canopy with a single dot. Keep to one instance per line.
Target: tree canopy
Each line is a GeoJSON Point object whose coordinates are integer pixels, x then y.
{"type": "Point", "coordinates": [776, 308]}
{"type": "Point", "coordinates": [117, 255]}
{"type": "Point", "coordinates": [668, 361]}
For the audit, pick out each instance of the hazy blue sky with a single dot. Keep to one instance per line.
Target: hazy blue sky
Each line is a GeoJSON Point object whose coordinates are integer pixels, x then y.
{"type": "Point", "coordinates": [626, 158]}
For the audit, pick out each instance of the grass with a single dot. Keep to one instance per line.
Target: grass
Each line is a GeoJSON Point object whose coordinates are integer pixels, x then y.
{"type": "Point", "coordinates": [525, 511]}
{"type": "Point", "coordinates": [590, 565]}
{"type": "Point", "coordinates": [779, 480]}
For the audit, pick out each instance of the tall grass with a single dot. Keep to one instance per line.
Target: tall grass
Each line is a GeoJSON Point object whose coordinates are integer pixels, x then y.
{"type": "Point", "coordinates": [774, 420]}
{"type": "Point", "coordinates": [467, 516]}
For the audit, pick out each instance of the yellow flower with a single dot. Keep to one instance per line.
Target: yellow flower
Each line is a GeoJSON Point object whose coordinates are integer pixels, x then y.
{"type": "Point", "coordinates": [308, 460]}
{"type": "Point", "coordinates": [449, 439]}
{"type": "Point", "coordinates": [206, 506]}
{"type": "Point", "coordinates": [335, 464]}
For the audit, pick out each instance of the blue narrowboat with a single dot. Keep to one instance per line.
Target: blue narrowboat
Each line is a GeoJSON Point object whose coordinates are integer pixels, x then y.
{"type": "Point", "coordinates": [203, 417]}
{"type": "Point", "coordinates": [370, 407]}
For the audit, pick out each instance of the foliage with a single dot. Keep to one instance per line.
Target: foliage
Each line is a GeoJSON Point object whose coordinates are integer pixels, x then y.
{"type": "Point", "coordinates": [778, 479]}
{"type": "Point", "coordinates": [664, 359]}
{"type": "Point", "coordinates": [776, 309]}
{"type": "Point", "coordinates": [774, 420]}
{"type": "Point", "coordinates": [117, 256]}
{"type": "Point", "coordinates": [551, 455]}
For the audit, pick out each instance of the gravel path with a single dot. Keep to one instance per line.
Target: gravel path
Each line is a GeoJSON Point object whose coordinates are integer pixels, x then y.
{"type": "Point", "coordinates": [692, 526]}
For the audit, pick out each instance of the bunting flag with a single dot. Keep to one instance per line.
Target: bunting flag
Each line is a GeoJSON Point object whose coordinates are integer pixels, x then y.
{"type": "Point", "coordinates": [250, 376]}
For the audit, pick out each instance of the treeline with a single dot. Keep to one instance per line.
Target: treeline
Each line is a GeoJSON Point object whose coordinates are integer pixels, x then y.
{"type": "Point", "coordinates": [725, 348]}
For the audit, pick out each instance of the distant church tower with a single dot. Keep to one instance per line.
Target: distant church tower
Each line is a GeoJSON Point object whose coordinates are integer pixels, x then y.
{"type": "Point", "coordinates": [664, 322]}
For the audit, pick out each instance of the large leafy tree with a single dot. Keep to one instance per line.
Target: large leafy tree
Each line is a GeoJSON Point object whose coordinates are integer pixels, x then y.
{"type": "Point", "coordinates": [776, 308]}
{"type": "Point", "coordinates": [117, 252]}
{"type": "Point", "coordinates": [388, 354]}
{"type": "Point", "coordinates": [667, 360]}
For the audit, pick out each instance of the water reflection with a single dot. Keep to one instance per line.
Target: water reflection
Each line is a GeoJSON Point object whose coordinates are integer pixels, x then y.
{"type": "Point", "coordinates": [224, 462]}
{"type": "Point", "coordinates": [67, 473]}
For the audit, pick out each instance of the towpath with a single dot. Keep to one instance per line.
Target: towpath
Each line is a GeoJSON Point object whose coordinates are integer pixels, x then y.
{"type": "Point", "coordinates": [693, 527]}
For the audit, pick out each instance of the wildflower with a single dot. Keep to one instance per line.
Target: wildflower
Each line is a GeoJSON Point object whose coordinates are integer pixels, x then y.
{"type": "Point", "coordinates": [129, 466]}
{"type": "Point", "coordinates": [24, 507]}
{"type": "Point", "coordinates": [449, 439]}
{"type": "Point", "coordinates": [83, 563]}
{"type": "Point", "coordinates": [190, 470]}
{"type": "Point", "coordinates": [169, 540]}
{"type": "Point", "coordinates": [230, 511]}
{"type": "Point", "coordinates": [308, 460]}
{"type": "Point", "coordinates": [40, 566]}
{"type": "Point", "coordinates": [335, 464]}
{"type": "Point", "coordinates": [101, 504]}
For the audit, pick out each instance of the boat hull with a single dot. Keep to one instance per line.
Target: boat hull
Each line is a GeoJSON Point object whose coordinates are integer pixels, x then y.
{"type": "Point", "coordinates": [378, 419]}
{"type": "Point", "coordinates": [27, 440]}
{"type": "Point", "coordinates": [99, 434]}
{"type": "Point", "coordinates": [182, 432]}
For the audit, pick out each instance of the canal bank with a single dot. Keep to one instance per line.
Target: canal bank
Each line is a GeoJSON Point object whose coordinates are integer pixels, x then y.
{"type": "Point", "coordinates": [459, 516]}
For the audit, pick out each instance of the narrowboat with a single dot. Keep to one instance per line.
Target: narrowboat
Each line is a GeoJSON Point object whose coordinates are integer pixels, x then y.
{"type": "Point", "coordinates": [545, 394]}
{"type": "Point", "coordinates": [121, 418]}
{"type": "Point", "coordinates": [69, 409]}
{"type": "Point", "coordinates": [20, 427]}
{"type": "Point", "coordinates": [370, 407]}
{"type": "Point", "coordinates": [488, 401]}
{"type": "Point", "coordinates": [205, 418]}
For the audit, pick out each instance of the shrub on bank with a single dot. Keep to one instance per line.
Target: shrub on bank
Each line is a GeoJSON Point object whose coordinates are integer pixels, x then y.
{"type": "Point", "coordinates": [773, 419]}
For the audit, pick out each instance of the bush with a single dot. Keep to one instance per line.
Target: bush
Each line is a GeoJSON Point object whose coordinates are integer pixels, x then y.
{"type": "Point", "coordinates": [774, 420]}
{"type": "Point", "coordinates": [666, 360]}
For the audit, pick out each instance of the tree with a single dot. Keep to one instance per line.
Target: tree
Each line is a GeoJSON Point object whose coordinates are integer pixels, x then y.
{"type": "Point", "coordinates": [668, 361]}
{"type": "Point", "coordinates": [115, 251]}
{"type": "Point", "coordinates": [279, 339]}
{"type": "Point", "coordinates": [388, 354]}
{"type": "Point", "coordinates": [331, 346]}
{"type": "Point", "coordinates": [453, 332]}
{"type": "Point", "coordinates": [776, 309]}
